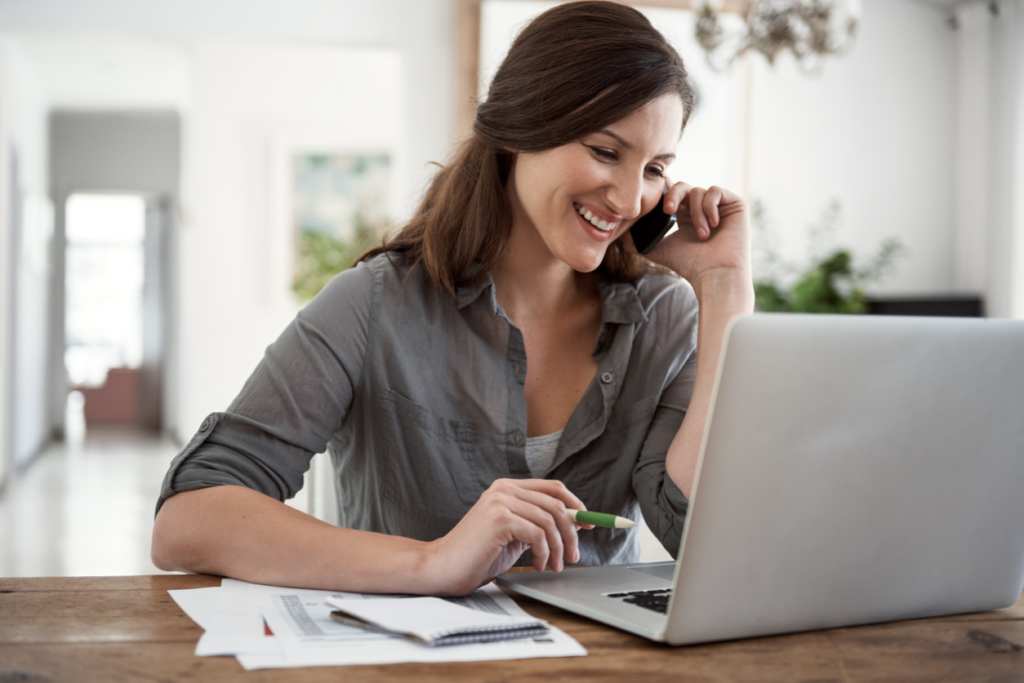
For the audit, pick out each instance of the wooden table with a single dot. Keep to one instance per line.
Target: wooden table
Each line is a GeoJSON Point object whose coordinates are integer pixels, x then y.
{"type": "Point", "coordinates": [129, 628]}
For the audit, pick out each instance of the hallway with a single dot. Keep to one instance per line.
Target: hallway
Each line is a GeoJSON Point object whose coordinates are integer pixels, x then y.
{"type": "Point", "coordinates": [85, 508]}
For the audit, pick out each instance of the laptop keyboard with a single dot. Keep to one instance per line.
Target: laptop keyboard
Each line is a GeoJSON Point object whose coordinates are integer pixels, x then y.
{"type": "Point", "coordinates": [656, 600]}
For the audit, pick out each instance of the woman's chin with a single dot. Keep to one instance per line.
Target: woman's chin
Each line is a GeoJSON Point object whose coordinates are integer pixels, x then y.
{"type": "Point", "coordinates": [583, 256]}
{"type": "Point", "coordinates": [586, 262]}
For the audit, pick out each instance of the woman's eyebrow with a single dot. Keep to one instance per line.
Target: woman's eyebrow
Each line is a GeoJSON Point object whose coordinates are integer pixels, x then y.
{"type": "Point", "coordinates": [628, 145]}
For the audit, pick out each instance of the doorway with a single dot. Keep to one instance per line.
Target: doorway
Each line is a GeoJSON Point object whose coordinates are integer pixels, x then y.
{"type": "Point", "coordinates": [114, 310]}
{"type": "Point", "coordinates": [128, 159]}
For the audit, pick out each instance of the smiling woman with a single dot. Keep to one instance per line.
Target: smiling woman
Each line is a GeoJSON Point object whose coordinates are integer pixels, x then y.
{"type": "Point", "coordinates": [563, 78]}
{"type": "Point", "coordinates": [506, 356]}
{"type": "Point", "coordinates": [600, 183]}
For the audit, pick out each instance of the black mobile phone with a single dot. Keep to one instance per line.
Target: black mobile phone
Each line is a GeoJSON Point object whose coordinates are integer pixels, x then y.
{"type": "Point", "coordinates": [652, 226]}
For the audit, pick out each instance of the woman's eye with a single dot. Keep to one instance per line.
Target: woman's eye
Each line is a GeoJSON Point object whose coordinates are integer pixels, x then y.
{"type": "Point", "coordinates": [655, 172]}
{"type": "Point", "coordinates": [603, 153]}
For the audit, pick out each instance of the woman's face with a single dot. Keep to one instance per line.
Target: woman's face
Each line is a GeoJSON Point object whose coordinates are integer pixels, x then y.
{"type": "Point", "coordinates": [580, 197]}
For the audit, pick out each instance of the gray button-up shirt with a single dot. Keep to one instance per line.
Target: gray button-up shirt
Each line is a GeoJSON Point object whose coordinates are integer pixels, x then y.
{"type": "Point", "coordinates": [419, 398]}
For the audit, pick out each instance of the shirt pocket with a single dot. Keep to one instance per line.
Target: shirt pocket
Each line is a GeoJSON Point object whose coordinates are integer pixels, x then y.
{"type": "Point", "coordinates": [431, 470]}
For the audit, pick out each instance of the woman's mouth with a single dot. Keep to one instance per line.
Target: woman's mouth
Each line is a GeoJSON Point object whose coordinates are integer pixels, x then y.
{"type": "Point", "coordinates": [603, 226]}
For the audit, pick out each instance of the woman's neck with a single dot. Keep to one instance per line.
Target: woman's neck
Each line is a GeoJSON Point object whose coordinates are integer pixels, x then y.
{"type": "Point", "coordinates": [530, 282]}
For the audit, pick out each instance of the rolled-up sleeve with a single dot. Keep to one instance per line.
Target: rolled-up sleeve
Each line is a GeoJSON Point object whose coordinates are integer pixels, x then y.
{"type": "Point", "coordinates": [291, 405]}
{"type": "Point", "coordinates": [662, 503]}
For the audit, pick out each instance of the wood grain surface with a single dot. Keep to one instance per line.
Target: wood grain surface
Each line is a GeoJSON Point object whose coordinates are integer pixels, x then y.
{"type": "Point", "coordinates": [129, 629]}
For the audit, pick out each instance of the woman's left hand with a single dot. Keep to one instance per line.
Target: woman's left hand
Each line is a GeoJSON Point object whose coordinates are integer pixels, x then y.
{"type": "Point", "coordinates": [713, 234]}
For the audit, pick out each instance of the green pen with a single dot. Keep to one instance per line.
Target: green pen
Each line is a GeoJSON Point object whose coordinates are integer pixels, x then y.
{"type": "Point", "coordinates": [600, 519]}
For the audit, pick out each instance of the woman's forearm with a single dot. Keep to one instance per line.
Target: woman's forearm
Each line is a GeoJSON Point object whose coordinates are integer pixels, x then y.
{"type": "Point", "coordinates": [237, 532]}
{"type": "Point", "coordinates": [722, 295]}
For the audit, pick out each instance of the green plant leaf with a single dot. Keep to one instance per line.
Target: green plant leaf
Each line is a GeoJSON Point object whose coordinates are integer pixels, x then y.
{"type": "Point", "coordinates": [830, 283]}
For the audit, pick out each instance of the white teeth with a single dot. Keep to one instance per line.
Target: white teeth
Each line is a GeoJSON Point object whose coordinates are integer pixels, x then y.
{"type": "Point", "coordinates": [594, 220]}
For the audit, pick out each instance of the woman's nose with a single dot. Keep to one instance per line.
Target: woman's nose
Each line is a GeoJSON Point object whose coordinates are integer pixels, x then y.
{"type": "Point", "coordinates": [626, 194]}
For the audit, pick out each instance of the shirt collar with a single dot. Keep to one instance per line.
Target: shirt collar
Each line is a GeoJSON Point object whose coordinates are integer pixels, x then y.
{"type": "Point", "coordinates": [620, 302]}
{"type": "Point", "coordinates": [469, 293]}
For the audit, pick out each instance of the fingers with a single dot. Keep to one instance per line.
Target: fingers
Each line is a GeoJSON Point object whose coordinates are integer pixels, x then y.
{"type": "Point", "coordinates": [550, 514]}
{"type": "Point", "coordinates": [550, 499]}
{"type": "Point", "coordinates": [542, 504]}
{"type": "Point", "coordinates": [697, 217]}
{"type": "Point", "coordinates": [535, 536]}
{"type": "Point", "coordinates": [549, 545]}
{"type": "Point", "coordinates": [712, 199]}
{"type": "Point", "coordinates": [675, 195]}
{"type": "Point", "coordinates": [551, 487]}
{"type": "Point", "coordinates": [702, 205]}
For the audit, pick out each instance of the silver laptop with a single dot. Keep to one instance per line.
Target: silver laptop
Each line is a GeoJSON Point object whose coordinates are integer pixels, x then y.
{"type": "Point", "coordinates": [854, 470]}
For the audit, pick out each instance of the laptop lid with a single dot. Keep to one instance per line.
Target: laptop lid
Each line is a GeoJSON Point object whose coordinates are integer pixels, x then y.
{"type": "Point", "coordinates": [855, 470]}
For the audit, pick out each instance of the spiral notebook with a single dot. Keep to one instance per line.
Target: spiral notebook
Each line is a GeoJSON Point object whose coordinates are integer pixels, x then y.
{"type": "Point", "coordinates": [433, 621]}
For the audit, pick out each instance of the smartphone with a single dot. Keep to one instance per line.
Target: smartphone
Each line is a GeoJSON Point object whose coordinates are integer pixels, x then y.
{"type": "Point", "coordinates": [651, 227]}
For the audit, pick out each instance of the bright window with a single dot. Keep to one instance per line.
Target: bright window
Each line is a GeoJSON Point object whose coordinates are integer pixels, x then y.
{"type": "Point", "coordinates": [104, 266]}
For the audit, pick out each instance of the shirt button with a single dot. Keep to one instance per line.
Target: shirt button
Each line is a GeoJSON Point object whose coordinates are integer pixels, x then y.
{"type": "Point", "coordinates": [516, 438]}
{"type": "Point", "coordinates": [607, 378]}
{"type": "Point", "coordinates": [206, 425]}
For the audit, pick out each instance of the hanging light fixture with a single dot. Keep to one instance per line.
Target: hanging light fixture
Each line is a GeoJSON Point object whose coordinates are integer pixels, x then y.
{"type": "Point", "coordinates": [810, 29]}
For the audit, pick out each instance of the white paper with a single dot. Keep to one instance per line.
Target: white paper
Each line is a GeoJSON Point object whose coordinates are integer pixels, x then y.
{"type": "Point", "coordinates": [200, 604]}
{"type": "Point", "coordinates": [300, 620]}
{"type": "Point", "coordinates": [237, 625]}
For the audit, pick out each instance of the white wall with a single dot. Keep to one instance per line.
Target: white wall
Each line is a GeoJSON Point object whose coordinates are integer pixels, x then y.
{"type": "Point", "coordinates": [876, 131]}
{"type": "Point", "coordinates": [989, 195]}
{"type": "Point", "coordinates": [421, 30]}
{"type": "Point", "coordinates": [250, 101]}
{"type": "Point", "coordinates": [109, 72]}
{"type": "Point", "coordinates": [1015, 43]}
{"type": "Point", "coordinates": [23, 324]}
{"type": "Point", "coordinates": [973, 153]}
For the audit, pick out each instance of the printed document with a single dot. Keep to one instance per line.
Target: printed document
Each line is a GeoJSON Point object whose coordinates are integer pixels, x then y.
{"type": "Point", "coordinates": [276, 627]}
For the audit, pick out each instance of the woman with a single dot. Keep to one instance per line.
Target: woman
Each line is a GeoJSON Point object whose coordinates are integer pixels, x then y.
{"type": "Point", "coordinates": [453, 461]}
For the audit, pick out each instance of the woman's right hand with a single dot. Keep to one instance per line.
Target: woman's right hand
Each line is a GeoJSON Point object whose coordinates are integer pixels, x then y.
{"type": "Point", "coordinates": [510, 516]}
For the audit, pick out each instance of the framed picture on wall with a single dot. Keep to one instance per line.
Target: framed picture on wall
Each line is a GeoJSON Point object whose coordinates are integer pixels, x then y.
{"type": "Point", "coordinates": [333, 202]}
{"type": "Point", "coordinates": [340, 209]}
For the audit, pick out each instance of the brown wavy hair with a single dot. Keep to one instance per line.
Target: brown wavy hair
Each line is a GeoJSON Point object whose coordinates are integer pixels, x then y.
{"type": "Point", "coordinates": [572, 71]}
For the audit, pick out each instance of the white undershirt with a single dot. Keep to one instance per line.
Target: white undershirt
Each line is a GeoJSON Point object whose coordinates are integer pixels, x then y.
{"type": "Point", "coordinates": [540, 451]}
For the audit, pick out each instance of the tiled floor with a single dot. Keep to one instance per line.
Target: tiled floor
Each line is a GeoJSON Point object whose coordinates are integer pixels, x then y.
{"type": "Point", "coordinates": [85, 508]}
